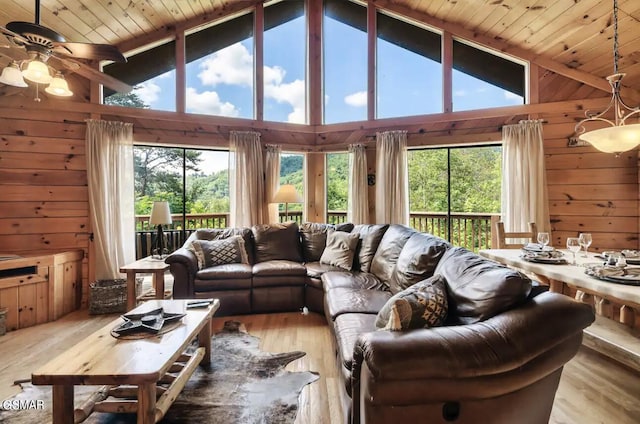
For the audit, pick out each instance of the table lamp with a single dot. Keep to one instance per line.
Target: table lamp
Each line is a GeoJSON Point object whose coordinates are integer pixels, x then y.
{"type": "Point", "coordinates": [160, 215]}
{"type": "Point", "coordinates": [286, 194]}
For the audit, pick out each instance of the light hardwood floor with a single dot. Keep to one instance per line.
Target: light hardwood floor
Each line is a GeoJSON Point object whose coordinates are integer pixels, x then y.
{"type": "Point", "coordinates": [593, 390]}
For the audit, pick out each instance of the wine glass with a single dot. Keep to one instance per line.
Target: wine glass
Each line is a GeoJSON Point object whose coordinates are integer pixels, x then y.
{"type": "Point", "coordinates": [585, 241]}
{"type": "Point", "coordinates": [543, 239]}
{"type": "Point", "coordinates": [573, 244]}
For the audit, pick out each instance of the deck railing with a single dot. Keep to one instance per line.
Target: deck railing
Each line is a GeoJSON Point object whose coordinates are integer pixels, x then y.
{"type": "Point", "coordinates": [470, 230]}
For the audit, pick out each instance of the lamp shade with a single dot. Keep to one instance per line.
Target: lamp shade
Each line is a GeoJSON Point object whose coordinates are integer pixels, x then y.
{"type": "Point", "coordinates": [11, 75]}
{"type": "Point", "coordinates": [160, 213]}
{"type": "Point", "coordinates": [614, 139]}
{"type": "Point", "coordinates": [287, 194]}
{"type": "Point", "coordinates": [59, 87]}
{"type": "Point", "coordinates": [37, 72]}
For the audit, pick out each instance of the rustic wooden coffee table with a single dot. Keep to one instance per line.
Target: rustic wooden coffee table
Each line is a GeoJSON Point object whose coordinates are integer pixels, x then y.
{"type": "Point", "coordinates": [102, 359]}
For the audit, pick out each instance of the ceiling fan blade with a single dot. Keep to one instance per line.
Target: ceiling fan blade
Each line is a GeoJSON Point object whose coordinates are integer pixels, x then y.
{"type": "Point", "coordinates": [89, 51]}
{"type": "Point", "coordinates": [13, 37]}
{"type": "Point", "coordinates": [94, 75]}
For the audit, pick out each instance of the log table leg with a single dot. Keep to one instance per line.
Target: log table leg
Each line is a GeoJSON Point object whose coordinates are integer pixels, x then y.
{"type": "Point", "coordinates": [627, 315]}
{"type": "Point", "coordinates": [158, 283]}
{"type": "Point", "coordinates": [63, 404]}
{"type": "Point", "coordinates": [204, 340]}
{"type": "Point", "coordinates": [131, 290]}
{"type": "Point", "coordinates": [555, 286]}
{"type": "Point", "coordinates": [147, 403]}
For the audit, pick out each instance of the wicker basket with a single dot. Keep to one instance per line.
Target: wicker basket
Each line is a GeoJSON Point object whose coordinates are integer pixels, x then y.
{"type": "Point", "coordinates": [108, 296]}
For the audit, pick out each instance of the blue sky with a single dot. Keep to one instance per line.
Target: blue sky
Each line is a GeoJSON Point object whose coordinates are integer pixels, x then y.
{"type": "Point", "coordinates": [407, 84]}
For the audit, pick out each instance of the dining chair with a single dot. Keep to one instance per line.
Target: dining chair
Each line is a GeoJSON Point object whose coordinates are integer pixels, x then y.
{"type": "Point", "coordinates": [531, 235]}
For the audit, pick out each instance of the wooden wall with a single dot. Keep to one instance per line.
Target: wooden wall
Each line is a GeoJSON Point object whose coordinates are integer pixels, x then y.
{"type": "Point", "coordinates": [43, 183]}
{"type": "Point", "coordinates": [589, 191]}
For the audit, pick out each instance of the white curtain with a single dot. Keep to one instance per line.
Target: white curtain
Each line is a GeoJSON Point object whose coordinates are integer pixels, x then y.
{"type": "Point", "coordinates": [109, 152]}
{"type": "Point", "coordinates": [358, 199]}
{"type": "Point", "coordinates": [272, 180]}
{"type": "Point", "coordinates": [524, 179]}
{"type": "Point", "coordinates": [392, 199]}
{"type": "Point", "coordinates": [246, 180]}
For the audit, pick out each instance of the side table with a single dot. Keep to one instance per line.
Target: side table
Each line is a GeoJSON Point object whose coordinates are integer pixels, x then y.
{"type": "Point", "coordinates": [157, 267]}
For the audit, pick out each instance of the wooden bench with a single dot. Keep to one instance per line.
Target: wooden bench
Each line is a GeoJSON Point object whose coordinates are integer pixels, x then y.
{"type": "Point", "coordinates": [615, 340]}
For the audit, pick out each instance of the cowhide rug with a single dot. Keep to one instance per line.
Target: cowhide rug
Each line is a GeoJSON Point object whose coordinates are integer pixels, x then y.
{"type": "Point", "coordinates": [242, 384]}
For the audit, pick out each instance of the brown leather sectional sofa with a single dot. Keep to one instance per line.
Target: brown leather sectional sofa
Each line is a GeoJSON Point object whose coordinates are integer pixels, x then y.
{"type": "Point", "coordinates": [497, 359]}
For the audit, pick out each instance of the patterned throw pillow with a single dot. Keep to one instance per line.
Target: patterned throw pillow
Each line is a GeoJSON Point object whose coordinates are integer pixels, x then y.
{"type": "Point", "coordinates": [218, 252]}
{"type": "Point", "coordinates": [422, 305]}
{"type": "Point", "coordinates": [341, 247]}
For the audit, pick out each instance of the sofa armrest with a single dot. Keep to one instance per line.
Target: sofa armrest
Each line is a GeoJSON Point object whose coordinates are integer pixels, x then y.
{"type": "Point", "coordinates": [499, 344]}
{"type": "Point", "coordinates": [183, 266]}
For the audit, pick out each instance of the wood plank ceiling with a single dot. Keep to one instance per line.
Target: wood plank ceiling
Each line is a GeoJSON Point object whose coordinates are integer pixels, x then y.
{"type": "Point", "coordinates": [575, 33]}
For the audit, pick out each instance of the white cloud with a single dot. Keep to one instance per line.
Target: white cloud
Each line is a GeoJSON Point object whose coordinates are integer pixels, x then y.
{"type": "Point", "coordinates": [232, 65]}
{"type": "Point", "coordinates": [357, 99]}
{"type": "Point", "coordinates": [512, 96]}
{"type": "Point", "coordinates": [147, 92]}
{"type": "Point", "coordinates": [460, 93]}
{"type": "Point", "coordinates": [166, 75]}
{"type": "Point", "coordinates": [208, 102]}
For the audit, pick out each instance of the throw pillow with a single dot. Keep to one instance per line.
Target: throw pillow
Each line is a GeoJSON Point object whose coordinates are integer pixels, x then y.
{"type": "Point", "coordinates": [340, 249]}
{"type": "Point", "coordinates": [218, 252]}
{"type": "Point", "coordinates": [422, 305]}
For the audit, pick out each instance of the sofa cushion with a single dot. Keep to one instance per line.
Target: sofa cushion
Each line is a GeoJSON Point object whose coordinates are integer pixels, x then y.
{"type": "Point", "coordinates": [316, 269]}
{"type": "Point", "coordinates": [340, 249]}
{"type": "Point", "coordinates": [225, 272]}
{"type": "Point", "coordinates": [370, 236]}
{"type": "Point", "coordinates": [314, 238]}
{"type": "Point", "coordinates": [223, 233]}
{"type": "Point", "coordinates": [277, 242]}
{"type": "Point", "coordinates": [279, 268]}
{"type": "Point", "coordinates": [356, 280]}
{"type": "Point", "coordinates": [347, 329]}
{"type": "Point", "coordinates": [478, 288]}
{"type": "Point", "coordinates": [423, 305]}
{"type": "Point", "coordinates": [218, 252]}
{"type": "Point", "coordinates": [384, 261]}
{"type": "Point", "coordinates": [417, 260]}
{"type": "Point", "coordinates": [344, 300]}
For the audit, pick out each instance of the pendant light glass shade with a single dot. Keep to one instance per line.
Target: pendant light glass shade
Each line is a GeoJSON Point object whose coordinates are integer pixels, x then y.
{"type": "Point", "coordinates": [618, 136]}
{"type": "Point", "coordinates": [59, 86]}
{"type": "Point", "coordinates": [37, 72]}
{"type": "Point", "coordinates": [11, 75]}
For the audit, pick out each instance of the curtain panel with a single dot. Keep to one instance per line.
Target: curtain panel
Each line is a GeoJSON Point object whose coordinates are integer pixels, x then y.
{"type": "Point", "coordinates": [392, 181]}
{"type": "Point", "coordinates": [524, 178]}
{"type": "Point", "coordinates": [272, 180]}
{"type": "Point", "coordinates": [109, 151]}
{"type": "Point", "coordinates": [358, 198]}
{"type": "Point", "coordinates": [246, 180]}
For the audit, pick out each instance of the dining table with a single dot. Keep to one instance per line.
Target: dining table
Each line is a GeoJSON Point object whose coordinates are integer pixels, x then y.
{"type": "Point", "coordinates": [616, 331]}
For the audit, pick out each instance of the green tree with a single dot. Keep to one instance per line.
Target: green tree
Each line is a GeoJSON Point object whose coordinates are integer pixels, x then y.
{"type": "Point", "coordinates": [130, 99]}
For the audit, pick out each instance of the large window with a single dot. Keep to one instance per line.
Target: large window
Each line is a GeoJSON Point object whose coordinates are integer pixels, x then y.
{"type": "Point", "coordinates": [408, 69]}
{"type": "Point", "coordinates": [345, 61]}
{"type": "Point", "coordinates": [337, 173]}
{"type": "Point", "coordinates": [194, 182]}
{"type": "Point", "coordinates": [453, 192]}
{"type": "Point", "coordinates": [152, 73]}
{"type": "Point", "coordinates": [292, 172]}
{"type": "Point", "coordinates": [284, 62]}
{"type": "Point", "coordinates": [219, 69]}
{"type": "Point", "coordinates": [484, 80]}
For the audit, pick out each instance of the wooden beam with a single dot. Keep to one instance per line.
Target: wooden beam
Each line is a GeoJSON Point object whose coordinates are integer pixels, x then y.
{"type": "Point", "coordinates": [447, 72]}
{"type": "Point", "coordinates": [258, 57]}
{"type": "Point", "coordinates": [314, 72]}
{"type": "Point", "coordinates": [372, 32]}
{"type": "Point", "coordinates": [181, 78]}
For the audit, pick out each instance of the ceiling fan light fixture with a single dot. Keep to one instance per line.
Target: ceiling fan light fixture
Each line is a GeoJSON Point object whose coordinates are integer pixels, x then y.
{"type": "Point", "coordinates": [37, 72]}
{"type": "Point", "coordinates": [618, 137]}
{"type": "Point", "coordinates": [59, 87]}
{"type": "Point", "coordinates": [11, 75]}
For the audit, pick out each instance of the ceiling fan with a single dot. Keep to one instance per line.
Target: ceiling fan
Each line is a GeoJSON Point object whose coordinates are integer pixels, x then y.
{"type": "Point", "coordinates": [32, 45]}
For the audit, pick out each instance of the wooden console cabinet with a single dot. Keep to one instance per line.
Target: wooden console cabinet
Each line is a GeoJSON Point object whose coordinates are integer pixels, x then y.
{"type": "Point", "coordinates": [41, 287]}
